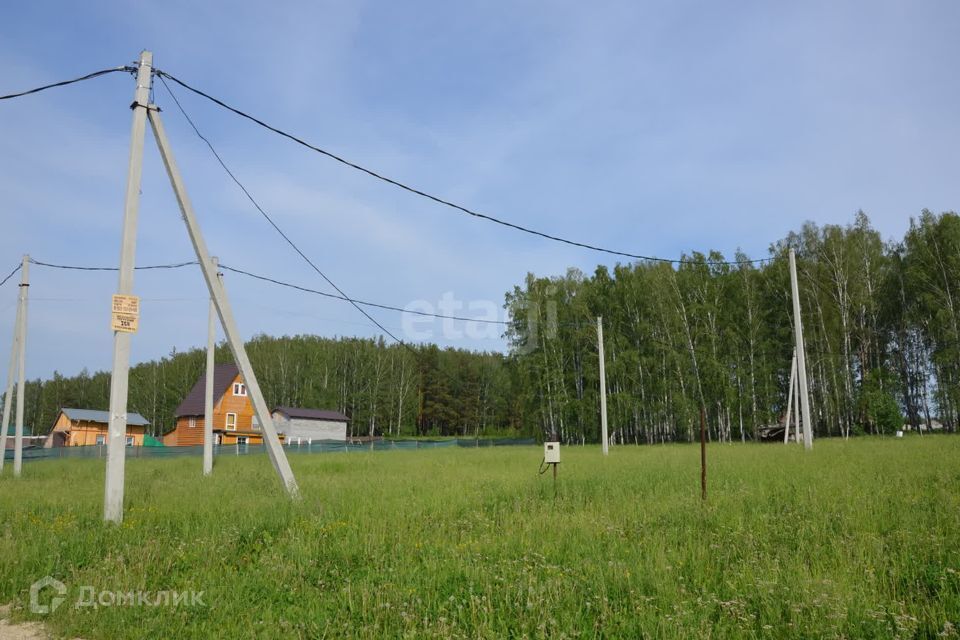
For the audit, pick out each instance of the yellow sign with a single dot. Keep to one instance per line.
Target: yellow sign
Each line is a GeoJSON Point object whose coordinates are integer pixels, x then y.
{"type": "Point", "coordinates": [126, 313]}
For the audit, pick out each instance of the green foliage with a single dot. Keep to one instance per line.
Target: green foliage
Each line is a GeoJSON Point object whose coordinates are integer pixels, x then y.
{"type": "Point", "coordinates": [385, 390]}
{"type": "Point", "coordinates": [856, 540]}
{"type": "Point", "coordinates": [721, 336]}
{"type": "Point", "coordinates": [879, 410]}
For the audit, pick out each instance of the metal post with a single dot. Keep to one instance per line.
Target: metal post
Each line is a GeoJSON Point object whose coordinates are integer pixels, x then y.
{"type": "Point", "coordinates": [208, 392]}
{"type": "Point", "coordinates": [603, 389]}
{"type": "Point", "coordinates": [21, 365]}
{"type": "Point", "coordinates": [8, 395]}
{"type": "Point", "coordinates": [801, 355]}
{"type": "Point", "coordinates": [116, 436]}
{"type": "Point", "coordinates": [218, 293]}
{"type": "Point", "coordinates": [793, 384]}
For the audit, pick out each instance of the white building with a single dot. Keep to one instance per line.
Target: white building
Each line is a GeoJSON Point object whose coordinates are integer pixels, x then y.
{"type": "Point", "coordinates": [310, 425]}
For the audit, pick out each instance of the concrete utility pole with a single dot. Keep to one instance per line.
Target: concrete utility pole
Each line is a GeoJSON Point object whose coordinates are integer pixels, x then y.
{"type": "Point", "coordinates": [703, 453]}
{"type": "Point", "coordinates": [793, 384]}
{"type": "Point", "coordinates": [218, 293]}
{"type": "Point", "coordinates": [801, 355]}
{"type": "Point", "coordinates": [117, 434]}
{"type": "Point", "coordinates": [8, 395]}
{"type": "Point", "coordinates": [208, 395]}
{"type": "Point", "coordinates": [603, 389]}
{"type": "Point", "coordinates": [21, 364]}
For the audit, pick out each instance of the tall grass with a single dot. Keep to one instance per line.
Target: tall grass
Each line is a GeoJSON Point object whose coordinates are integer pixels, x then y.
{"type": "Point", "coordinates": [858, 539]}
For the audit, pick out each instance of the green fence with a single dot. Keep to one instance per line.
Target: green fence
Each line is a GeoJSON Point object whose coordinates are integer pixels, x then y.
{"type": "Point", "coordinates": [318, 446]}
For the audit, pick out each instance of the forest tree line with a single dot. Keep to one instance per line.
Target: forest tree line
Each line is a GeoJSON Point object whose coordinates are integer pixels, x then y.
{"type": "Point", "coordinates": [386, 390]}
{"type": "Point", "coordinates": [880, 321]}
{"type": "Point", "coordinates": [882, 331]}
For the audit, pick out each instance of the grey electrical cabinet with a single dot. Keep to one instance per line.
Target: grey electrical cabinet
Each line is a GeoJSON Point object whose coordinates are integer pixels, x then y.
{"type": "Point", "coordinates": [551, 452]}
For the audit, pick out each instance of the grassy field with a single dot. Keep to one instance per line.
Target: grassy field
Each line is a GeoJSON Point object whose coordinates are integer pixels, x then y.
{"type": "Point", "coordinates": [858, 540]}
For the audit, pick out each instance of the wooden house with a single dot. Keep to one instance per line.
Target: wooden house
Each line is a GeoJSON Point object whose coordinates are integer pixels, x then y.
{"type": "Point", "coordinates": [234, 421]}
{"type": "Point", "coordinates": [308, 425]}
{"type": "Point", "coordinates": [85, 427]}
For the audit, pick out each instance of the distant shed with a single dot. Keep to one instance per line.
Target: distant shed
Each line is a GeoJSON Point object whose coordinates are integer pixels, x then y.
{"type": "Point", "coordinates": [310, 424]}
{"type": "Point", "coordinates": [85, 427]}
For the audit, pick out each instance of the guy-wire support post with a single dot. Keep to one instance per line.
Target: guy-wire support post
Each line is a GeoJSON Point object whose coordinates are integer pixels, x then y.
{"type": "Point", "coordinates": [8, 395]}
{"type": "Point", "coordinates": [21, 364]}
{"type": "Point", "coordinates": [801, 355]}
{"type": "Point", "coordinates": [603, 389]}
{"type": "Point", "coordinates": [117, 433]}
{"type": "Point", "coordinates": [797, 437]}
{"type": "Point", "coordinates": [218, 293]}
{"type": "Point", "coordinates": [793, 385]}
{"type": "Point", "coordinates": [208, 391]}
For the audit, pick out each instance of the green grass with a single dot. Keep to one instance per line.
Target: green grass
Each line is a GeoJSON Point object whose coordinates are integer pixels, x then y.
{"type": "Point", "coordinates": [858, 539]}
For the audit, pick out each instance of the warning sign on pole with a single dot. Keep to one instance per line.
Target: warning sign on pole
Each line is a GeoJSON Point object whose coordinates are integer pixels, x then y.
{"type": "Point", "coordinates": [126, 313]}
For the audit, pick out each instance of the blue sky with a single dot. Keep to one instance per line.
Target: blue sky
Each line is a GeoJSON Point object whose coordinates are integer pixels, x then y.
{"type": "Point", "coordinates": [650, 127]}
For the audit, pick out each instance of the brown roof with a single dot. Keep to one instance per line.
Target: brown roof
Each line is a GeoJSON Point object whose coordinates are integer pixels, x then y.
{"type": "Point", "coordinates": [223, 375]}
{"type": "Point", "coordinates": [312, 414]}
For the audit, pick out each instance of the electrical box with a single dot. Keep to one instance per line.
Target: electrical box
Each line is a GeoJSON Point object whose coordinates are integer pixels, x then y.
{"type": "Point", "coordinates": [551, 452]}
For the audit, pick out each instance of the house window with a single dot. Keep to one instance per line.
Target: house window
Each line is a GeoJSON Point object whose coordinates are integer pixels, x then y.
{"type": "Point", "coordinates": [130, 441]}
{"type": "Point", "coordinates": [231, 422]}
{"type": "Point", "coordinates": [192, 423]}
{"type": "Point", "coordinates": [239, 389]}
{"type": "Point", "coordinates": [101, 438]}
{"type": "Point", "coordinates": [255, 423]}
{"type": "Point", "coordinates": [241, 440]}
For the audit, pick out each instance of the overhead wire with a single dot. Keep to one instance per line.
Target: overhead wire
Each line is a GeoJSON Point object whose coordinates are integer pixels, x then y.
{"type": "Point", "coordinates": [11, 274]}
{"type": "Point", "coordinates": [267, 217]}
{"type": "Point", "coordinates": [623, 329]}
{"type": "Point", "coordinates": [275, 281]}
{"type": "Point", "coordinates": [63, 83]}
{"type": "Point", "coordinates": [73, 267]}
{"type": "Point", "coordinates": [362, 302]}
{"type": "Point", "coordinates": [442, 201]}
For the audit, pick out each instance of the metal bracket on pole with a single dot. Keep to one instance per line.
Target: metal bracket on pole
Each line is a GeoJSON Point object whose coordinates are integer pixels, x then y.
{"type": "Point", "coordinates": [21, 365]}
{"type": "Point", "coordinates": [218, 294]}
{"type": "Point", "coordinates": [801, 355]}
{"type": "Point", "coordinates": [117, 432]}
{"type": "Point", "coordinates": [604, 438]}
{"type": "Point", "coordinates": [208, 390]}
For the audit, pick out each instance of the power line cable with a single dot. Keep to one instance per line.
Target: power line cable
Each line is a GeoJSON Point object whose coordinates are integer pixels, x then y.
{"type": "Point", "coordinates": [362, 302]}
{"type": "Point", "coordinates": [63, 83]}
{"type": "Point", "coordinates": [12, 273]}
{"type": "Point", "coordinates": [175, 265]}
{"type": "Point", "coordinates": [267, 217]}
{"type": "Point", "coordinates": [625, 330]}
{"type": "Point", "coordinates": [281, 283]}
{"type": "Point", "coordinates": [437, 199]}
